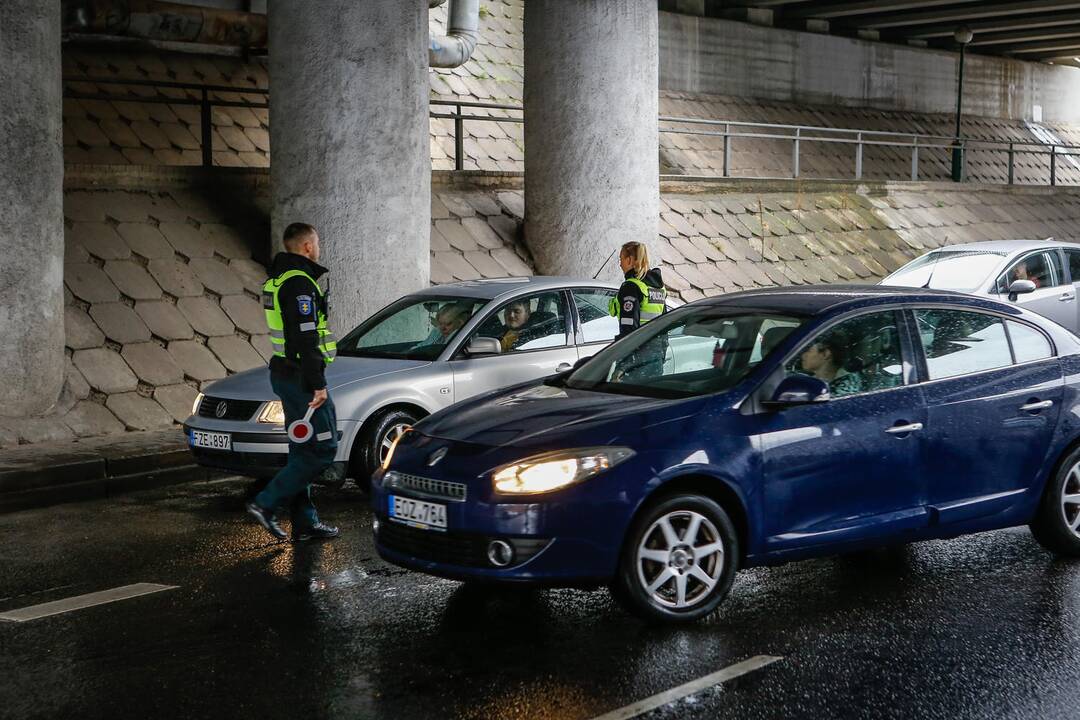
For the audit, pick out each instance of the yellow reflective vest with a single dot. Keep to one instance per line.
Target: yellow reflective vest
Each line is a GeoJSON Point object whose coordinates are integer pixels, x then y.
{"type": "Point", "coordinates": [276, 323]}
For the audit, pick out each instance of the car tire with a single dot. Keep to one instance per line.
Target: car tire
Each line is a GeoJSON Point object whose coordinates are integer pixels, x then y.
{"type": "Point", "coordinates": [1057, 522]}
{"type": "Point", "coordinates": [684, 580]}
{"type": "Point", "coordinates": [373, 443]}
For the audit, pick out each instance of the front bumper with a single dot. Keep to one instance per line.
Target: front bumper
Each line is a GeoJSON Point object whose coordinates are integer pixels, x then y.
{"type": "Point", "coordinates": [568, 538]}
{"type": "Point", "coordinates": [254, 454]}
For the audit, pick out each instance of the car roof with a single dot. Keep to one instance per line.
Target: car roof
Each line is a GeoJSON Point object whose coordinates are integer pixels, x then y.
{"type": "Point", "coordinates": [1004, 247]}
{"type": "Point", "coordinates": [493, 288]}
{"type": "Point", "coordinates": [817, 299]}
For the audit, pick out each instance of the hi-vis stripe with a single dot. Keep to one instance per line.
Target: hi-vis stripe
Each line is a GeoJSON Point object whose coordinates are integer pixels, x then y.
{"type": "Point", "coordinates": [329, 346]}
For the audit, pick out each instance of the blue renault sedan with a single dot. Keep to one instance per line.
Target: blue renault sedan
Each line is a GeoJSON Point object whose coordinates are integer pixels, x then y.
{"type": "Point", "coordinates": [751, 429]}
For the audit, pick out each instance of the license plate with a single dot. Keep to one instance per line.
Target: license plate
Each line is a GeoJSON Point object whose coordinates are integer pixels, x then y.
{"type": "Point", "coordinates": [211, 440]}
{"type": "Point", "coordinates": [417, 513]}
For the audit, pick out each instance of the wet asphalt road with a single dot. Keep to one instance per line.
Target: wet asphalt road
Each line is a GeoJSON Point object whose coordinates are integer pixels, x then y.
{"type": "Point", "coordinates": [979, 627]}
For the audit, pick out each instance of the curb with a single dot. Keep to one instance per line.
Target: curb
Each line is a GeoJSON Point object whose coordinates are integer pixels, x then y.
{"type": "Point", "coordinates": [38, 476]}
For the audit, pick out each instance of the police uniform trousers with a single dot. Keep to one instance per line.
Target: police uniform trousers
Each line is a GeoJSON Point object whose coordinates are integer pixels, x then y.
{"type": "Point", "coordinates": [292, 484]}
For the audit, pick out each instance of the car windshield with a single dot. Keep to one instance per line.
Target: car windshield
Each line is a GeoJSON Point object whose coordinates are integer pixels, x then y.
{"type": "Point", "coordinates": [692, 352]}
{"type": "Point", "coordinates": [964, 270]}
{"type": "Point", "coordinates": [413, 328]}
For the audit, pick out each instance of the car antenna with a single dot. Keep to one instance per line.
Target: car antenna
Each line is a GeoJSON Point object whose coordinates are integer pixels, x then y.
{"type": "Point", "coordinates": [937, 257]}
{"type": "Point", "coordinates": [605, 263]}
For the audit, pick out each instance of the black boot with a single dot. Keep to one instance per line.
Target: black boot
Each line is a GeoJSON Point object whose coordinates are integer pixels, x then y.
{"type": "Point", "coordinates": [266, 519]}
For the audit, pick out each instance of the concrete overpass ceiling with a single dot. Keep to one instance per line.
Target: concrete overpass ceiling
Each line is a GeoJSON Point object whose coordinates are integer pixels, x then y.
{"type": "Point", "coordinates": [1038, 30]}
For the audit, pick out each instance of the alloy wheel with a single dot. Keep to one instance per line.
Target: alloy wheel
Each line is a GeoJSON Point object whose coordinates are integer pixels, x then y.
{"type": "Point", "coordinates": [680, 559]}
{"type": "Point", "coordinates": [1070, 499]}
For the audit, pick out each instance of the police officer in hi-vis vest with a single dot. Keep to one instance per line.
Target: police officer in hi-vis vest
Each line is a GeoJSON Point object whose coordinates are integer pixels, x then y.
{"type": "Point", "coordinates": [296, 312]}
{"type": "Point", "coordinates": [641, 298]}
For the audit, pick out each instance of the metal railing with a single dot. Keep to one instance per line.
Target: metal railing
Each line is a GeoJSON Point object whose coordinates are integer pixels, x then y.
{"type": "Point", "coordinates": [459, 122]}
{"type": "Point", "coordinates": [727, 130]}
{"type": "Point", "coordinates": [204, 101]}
{"type": "Point", "coordinates": [798, 135]}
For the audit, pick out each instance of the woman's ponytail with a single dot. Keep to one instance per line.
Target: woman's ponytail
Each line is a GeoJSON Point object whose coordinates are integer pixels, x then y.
{"type": "Point", "coordinates": [639, 257]}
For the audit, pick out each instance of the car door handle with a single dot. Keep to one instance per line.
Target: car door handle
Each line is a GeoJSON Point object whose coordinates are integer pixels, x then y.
{"type": "Point", "coordinates": [1037, 405]}
{"type": "Point", "coordinates": [1066, 297]}
{"type": "Point", "coordinates": [901, 429]}
{"type": "Point", "coordinates": [563, 367]}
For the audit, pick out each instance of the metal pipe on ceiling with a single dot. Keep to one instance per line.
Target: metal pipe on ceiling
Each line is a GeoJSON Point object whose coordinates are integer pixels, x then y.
{"type": "Point", "coordinates": [462, 33]}
{"type": "Point", "coordinates": [164, 21]}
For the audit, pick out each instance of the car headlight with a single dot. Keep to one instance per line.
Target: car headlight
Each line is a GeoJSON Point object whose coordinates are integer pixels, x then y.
{"type": "Point", "coordinates": [273, 413]}
{"type": "Point", "coordinates": [555, 470]}
{"type": "Point", "coordinates": [195, 405]}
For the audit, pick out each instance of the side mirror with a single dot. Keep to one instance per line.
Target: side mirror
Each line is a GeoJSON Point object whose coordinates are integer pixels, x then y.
{"type": "Point", "coordinates": [798, 390]}
{"type": "Point", "coordinates": [1020, 287]}
{"type": "Point", "coordinates": [483, 346]}
{"type": "Point", "coordinates": [580, 362]}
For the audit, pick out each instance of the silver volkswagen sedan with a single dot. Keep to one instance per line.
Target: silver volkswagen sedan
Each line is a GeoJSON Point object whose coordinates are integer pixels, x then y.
{"type": "Point", "coordinates": [1041, 275]}
{"type": "Point", "coordinates": [415, 356]}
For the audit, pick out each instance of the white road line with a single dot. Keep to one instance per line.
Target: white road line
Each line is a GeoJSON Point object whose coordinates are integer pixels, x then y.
{"type": "Point", "coordinates": [676, 693]}
{"type": "Point", "coordinates": [33, 612]}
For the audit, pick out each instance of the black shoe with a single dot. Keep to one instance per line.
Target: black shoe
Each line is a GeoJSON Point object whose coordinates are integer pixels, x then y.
{"type": "Point", "coordinates": [266, 519]}
{"type": "Point", "coordinates": [318, 531]}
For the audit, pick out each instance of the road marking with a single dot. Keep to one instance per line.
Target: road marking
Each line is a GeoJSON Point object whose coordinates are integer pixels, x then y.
{"type": "Point", "coordinates": [676, 693]}
{"type": "Point", "coordinates": [79, 602]}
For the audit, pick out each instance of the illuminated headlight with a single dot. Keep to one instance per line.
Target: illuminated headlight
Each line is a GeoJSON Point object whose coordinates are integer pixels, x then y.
{"type": "Point", "coordinates": [552, 471]}
{"type": "Point", "coordinates": [195, 405]}
{"type": "Point", "coordinates": [273, 413]}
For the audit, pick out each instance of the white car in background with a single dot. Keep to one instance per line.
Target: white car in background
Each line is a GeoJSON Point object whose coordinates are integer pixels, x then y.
{"type": "Point", "coordinates": [1041, 275]}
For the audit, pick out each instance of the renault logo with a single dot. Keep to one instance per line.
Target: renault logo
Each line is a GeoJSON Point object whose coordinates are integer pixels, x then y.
{"type": "Point", "coordinates": [436, 457]}
{"type": "Point", "coordinates": [221, 409]}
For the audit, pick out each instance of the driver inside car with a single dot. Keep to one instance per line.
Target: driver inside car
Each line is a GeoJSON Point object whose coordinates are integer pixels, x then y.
{"type": "Point", "coordinates": [825, 359]}
{"type": "Point", "coordinates": [448, 320]}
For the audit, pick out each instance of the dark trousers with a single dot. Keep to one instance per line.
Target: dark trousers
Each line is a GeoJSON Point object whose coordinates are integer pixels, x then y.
{"type": "Point", "coordinates": [292, 484]}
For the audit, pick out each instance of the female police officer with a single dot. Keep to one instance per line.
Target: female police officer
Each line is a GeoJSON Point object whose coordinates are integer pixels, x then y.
{"type": "Point", "coordinates": [642, 296]}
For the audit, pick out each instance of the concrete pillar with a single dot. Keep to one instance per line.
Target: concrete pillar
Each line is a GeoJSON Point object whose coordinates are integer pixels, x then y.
{"type": "Point", "coordinates": [31, 208]}
{"type": "Point", "coordinates": [591, 102]}
{"type": "Point", "coordinates": [349, 143]}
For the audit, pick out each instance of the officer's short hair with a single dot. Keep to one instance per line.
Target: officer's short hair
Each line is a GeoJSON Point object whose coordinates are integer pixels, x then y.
{"type": "Point", "coordinates": [296, 233]}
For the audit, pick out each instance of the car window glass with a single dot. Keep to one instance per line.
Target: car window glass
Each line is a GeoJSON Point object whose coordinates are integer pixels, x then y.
{"type": "Point", "coordinates": [857, 355]}
{"type": "Point", "coordinates": [691, 352]}
{"type": "Point", "coordinates": [1074, 264]}
{"type": "Point", "coordinates": [947, 269]}
{"type": "Point", "coordinates": [597, 323]}
{"type": "Point", "coordinates": [414, 328]}
{"type": "Point", "coordinates": [1028, 343]}
{"type": "Point", "coordinates": [771, 332]}
{"type": "Point", "coordinates": [533, 322]}
{"type": "Point", "coordinates": [1044, 269]}
{"type": "Point", "coordinates": [958, 342]}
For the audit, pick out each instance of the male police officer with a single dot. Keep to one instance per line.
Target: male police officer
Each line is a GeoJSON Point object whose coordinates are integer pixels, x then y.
{"type": "Point", "coordinates": [296, 312]}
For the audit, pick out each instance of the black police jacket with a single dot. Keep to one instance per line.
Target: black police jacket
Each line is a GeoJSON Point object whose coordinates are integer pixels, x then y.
{"type": "Point", "coordinates": [631, 298]}
{"type": "Point", "coordinates": [296, 295]}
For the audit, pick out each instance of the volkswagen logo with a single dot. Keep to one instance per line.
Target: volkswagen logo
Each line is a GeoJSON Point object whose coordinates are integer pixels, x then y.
{"type": "Point", "coordinates": [436, 457]}
{"type": "Point", "coordinates": [221, 409]}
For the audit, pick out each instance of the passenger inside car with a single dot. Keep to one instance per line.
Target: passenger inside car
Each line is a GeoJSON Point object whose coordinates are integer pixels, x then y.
{"type": "Point", "coordinates": [1021, 272]}
{"type": "Point", "coordinates": [522, 324]}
